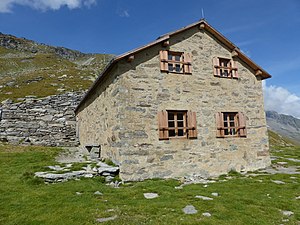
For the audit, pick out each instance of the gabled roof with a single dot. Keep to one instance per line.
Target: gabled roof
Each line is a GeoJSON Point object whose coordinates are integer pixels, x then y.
{"type": "Point", "coordinates": [202, 24]}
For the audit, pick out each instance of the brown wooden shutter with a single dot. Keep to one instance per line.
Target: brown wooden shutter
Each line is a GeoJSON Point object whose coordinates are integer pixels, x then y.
{"type": "Point", "coordinates": [220, 124]}
{"type": "Point", "coordinates": [216, 64]}
{"type": "Point", "coordinates": [163, 60]}
{"type": "Point", "coordinates": [192, 124]}
{"type": "Point", "coordinates": [234, 69]}
{"type": "Point", "coordinates": [163, 125]}
{"type": "Point", "coordinates": [187, 63]}
{"type": "Point", "coordinates": [242, 125]}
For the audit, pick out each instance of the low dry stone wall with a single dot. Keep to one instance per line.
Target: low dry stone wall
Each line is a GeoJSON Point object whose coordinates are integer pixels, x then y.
{"type": "Point", "coordinates": [48, 121]}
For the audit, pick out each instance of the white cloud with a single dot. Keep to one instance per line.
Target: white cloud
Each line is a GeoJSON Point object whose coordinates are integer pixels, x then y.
{"type": "Point", "coordinates": [124, 13]}
{"type": "Point", "coordinates": [7, 5]}
{"type": "Point", "coordinates": [281, 100]}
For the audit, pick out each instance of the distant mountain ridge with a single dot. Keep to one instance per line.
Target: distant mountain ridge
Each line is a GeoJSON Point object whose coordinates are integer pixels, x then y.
{"type": "Point", "coordinates": [31, 68]}
{"type": "Point", "coordinates": [284, 125]}
{"type": "Point", "coordinates": [22, 44]}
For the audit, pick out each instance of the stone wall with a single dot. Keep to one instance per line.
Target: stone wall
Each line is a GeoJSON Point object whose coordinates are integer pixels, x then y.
{"type": "Point", "coordinates": [48, 121]}
{"type": "Point", "coordinates": [121, 115]}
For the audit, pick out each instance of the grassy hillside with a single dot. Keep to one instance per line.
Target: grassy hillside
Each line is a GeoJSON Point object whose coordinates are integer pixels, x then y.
{"type": "Point", "coordinates": [276, 140]}
{"type": "Point", "coordinates": [242, 199]}
{"type": "Point", "coordinates": [28, 68]}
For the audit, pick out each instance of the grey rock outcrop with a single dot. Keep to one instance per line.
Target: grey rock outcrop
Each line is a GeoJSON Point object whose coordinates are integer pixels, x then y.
{"type": "Point", "coordinates": [22, 44]}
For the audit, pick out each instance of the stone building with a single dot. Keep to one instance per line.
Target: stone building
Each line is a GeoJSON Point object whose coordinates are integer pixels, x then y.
{"type": "Point", "coordinates": [188, 104]}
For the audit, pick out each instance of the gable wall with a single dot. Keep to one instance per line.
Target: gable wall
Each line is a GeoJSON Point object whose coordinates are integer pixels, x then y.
{"type": "Point", "coordinates": [146, 91]}
{"type": "Point", "coordinates": [99, 119]}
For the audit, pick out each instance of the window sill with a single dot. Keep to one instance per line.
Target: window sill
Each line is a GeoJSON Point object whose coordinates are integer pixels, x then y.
{"type": "Point", "coordinates": [232, 136]}
{"type": "Point", "coordinates": [179, 73]}
{"type": "Point", "coordinates": [236, 78]}
{"type": "Point", "coordinates": [180, 137]}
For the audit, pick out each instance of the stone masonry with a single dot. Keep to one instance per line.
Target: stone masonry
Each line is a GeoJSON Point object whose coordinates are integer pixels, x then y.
{"type": "Point", "coordinates": [48, 121]}
{"type": "Point", "coordinates": [121, 113]}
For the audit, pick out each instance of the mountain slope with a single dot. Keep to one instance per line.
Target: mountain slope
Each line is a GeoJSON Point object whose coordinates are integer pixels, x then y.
{"type": "Point", "coordinates": [30, 68]}
{"type": "Point", "coordinates": [285, 125]}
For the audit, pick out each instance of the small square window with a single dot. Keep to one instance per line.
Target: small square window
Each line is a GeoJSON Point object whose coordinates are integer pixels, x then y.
{"type": "Point", "coordinates": [175, 62]}
{"type": "Point", "coordinates": [231, 124]}
{"type": "Point", "coordinates": [177, 123]}
{"type": "Point", "coordinates": [224, 67]}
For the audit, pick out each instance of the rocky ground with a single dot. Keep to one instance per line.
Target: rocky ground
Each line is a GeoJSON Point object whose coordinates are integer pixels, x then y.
{"type": "Point", "coordinates": [77, 162]}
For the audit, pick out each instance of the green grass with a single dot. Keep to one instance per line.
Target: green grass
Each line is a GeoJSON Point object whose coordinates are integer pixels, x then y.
{"type": "Point", "coordinates": [242, 200]}
{"type": "Point", "coordinates": [44, 74]}
{"type": "Point", "coordinates": [278, 141]}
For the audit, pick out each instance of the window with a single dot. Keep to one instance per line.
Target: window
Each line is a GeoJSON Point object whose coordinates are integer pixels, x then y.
{"type": "Point", "coordinates": [231, 124]}
{"type": "Point", "coordinates": [177, 124]}
{"type": "Point", "coordinates": [175, 62]}
{"type": "Point", "coordinates": [224, 67]}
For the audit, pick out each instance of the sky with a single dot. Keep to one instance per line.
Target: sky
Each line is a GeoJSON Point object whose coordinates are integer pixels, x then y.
{"type": "Point", "coordinates": [267, 31]}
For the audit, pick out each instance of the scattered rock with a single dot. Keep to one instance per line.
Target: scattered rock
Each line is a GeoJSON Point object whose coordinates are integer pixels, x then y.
{"type": "Point", "coordinates": [89, 175]}
{"type": "Point", "coordinates": [297, 198]}
{"type": "Point", "coordinates": [204, 198]}
{"type": "Point", "coordinates": [110, 210]}
{"type": "Point", "coordinates": [293, 160]}
{"type": "Point", "coordinates": [88, 168]}
{"type": "Point", "coordinates": [207, 214]}
{"type": "Point", "coordinates": [78, 193]}
{"type": "Point", "coordinates": [215, 194]}
{"type": "Point", "coordinates": [108, 178]}
{"type": "Point", "coordinates": [88, 172]}
{"type": "Point", "coordinates": [150, 195]}
{"type": "Point", "coordinates": [104, 168]}
{"type": "Point", "coordinates": [189, 209]}
{"type": "Point", "coordinates": [97, 193]}
{"type": "Point", "coordinates": [197, 180]}
{"type": "Point", "coordinates": [56, 168]}
{"type": "Point", "coordinates": [115, 184]}
{"type": "Point", "coordinates": [102, 220]}
{"type": "Point", "coordinates": [280, 170]}
{"type": "Point", "coordinates": [282, 163]}
{"type": "Point", "coordinates": [287, 213]}
{"type": "Point", "coordinates": [278, 182]}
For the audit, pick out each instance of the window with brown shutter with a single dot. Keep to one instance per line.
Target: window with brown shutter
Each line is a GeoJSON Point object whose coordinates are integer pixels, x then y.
{"type": "Point", "coordinates": [231, 124]}
{"type": "Point", "coordinates": [175, 62]}
{"type": "Point", "coordinates": [177, 124]}
{"type": "Point", "coordinates": [163, 125]}
{"type": "Point", "coordinates": [225, 68]}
